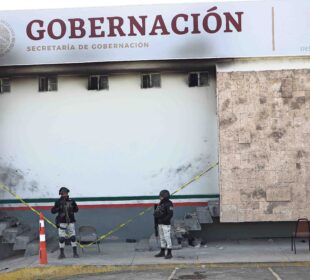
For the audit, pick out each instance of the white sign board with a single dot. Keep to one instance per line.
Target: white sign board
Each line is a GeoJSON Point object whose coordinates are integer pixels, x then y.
{"type": "Point", "coordinates": [155, 32]}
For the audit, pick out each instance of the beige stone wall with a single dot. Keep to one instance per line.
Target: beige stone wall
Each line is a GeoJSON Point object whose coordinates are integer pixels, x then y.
{"type": "Point", "coordinates": [264, 130]}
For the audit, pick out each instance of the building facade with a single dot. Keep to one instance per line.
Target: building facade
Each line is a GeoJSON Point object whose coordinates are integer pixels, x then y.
{"type": "Point", "coordinates": [119, 103]}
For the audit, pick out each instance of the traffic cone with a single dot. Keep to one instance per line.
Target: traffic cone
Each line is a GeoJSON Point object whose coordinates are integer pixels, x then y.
{"type": "Point", "coordinates": [43, 254]}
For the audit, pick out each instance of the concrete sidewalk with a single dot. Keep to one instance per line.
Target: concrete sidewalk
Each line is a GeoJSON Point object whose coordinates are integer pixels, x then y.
{"type": "Point", "coordinates": [257, 251]}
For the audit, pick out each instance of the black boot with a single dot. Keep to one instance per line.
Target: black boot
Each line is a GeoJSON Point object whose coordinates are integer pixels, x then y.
{"type": "Point", "coordinates": [62, 254]}
{"type": "Point", "coordinates": [75, 254]}
{"type": "Point", "coordinates": [161, 253]}
{"type": "Point", "coordinates": [169, 255]}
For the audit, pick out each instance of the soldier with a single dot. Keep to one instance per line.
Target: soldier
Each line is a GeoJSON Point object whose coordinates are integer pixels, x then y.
{"type": "Point", "coordinates": [65, 207]}
{"type": "Point", "coordinates": [163, 214]}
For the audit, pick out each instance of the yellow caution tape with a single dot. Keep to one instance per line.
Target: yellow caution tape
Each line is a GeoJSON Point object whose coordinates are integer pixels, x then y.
{"type": "Point", "coordinates": [195, 178]}
{"type": "Point", "coordinates": [120, 226]}
{"type": "Point", "coordinates": [150, 208]}
{"type": "Point", "coordinates": [5, 188]}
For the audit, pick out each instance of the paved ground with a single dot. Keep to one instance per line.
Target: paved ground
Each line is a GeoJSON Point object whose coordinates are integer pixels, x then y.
{"type": "Point", "coordinates": [241, 273]}
{"type": "Point", "coordinates": [241, 251]}
{"type": "Point", "coordinates": [240, 259]}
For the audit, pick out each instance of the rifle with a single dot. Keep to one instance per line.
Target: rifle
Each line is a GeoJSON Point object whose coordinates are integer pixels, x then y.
{"type": "Point", "coordinates": [155, 222]}
{"type": "Point", "coordinates": [66, 207]}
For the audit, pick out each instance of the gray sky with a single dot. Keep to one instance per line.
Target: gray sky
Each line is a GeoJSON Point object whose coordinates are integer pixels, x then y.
{"type": "Point", "coordinates": [45, 4]}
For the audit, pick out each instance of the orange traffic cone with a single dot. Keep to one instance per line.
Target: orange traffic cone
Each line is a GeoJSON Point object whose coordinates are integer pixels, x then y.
{"type": "Point", "coordinates": [43, 254]}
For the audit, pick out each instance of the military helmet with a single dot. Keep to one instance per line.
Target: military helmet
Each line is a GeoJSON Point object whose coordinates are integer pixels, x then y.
{"type": "Point", "coordinates": [164, 194]}
{"type": "Point", "coordinates": [64, 189]}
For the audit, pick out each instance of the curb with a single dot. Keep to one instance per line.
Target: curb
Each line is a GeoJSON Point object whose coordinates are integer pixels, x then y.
{"type": "Point", "coordinates": [58, 272]}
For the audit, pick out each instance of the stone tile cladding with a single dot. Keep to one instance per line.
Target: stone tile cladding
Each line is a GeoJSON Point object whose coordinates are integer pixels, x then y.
{"type": "Point", "coordinates": [264, 145]}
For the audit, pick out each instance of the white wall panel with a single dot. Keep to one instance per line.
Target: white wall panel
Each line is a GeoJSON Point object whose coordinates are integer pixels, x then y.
{"type": "Point", "coordinates": [125, 141]}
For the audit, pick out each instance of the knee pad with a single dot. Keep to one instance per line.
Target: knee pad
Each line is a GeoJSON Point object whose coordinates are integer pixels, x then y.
{"type": "Point", "coordinates": [73, 238]}
{"type": "Point", "coordinates": [62, 240]}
